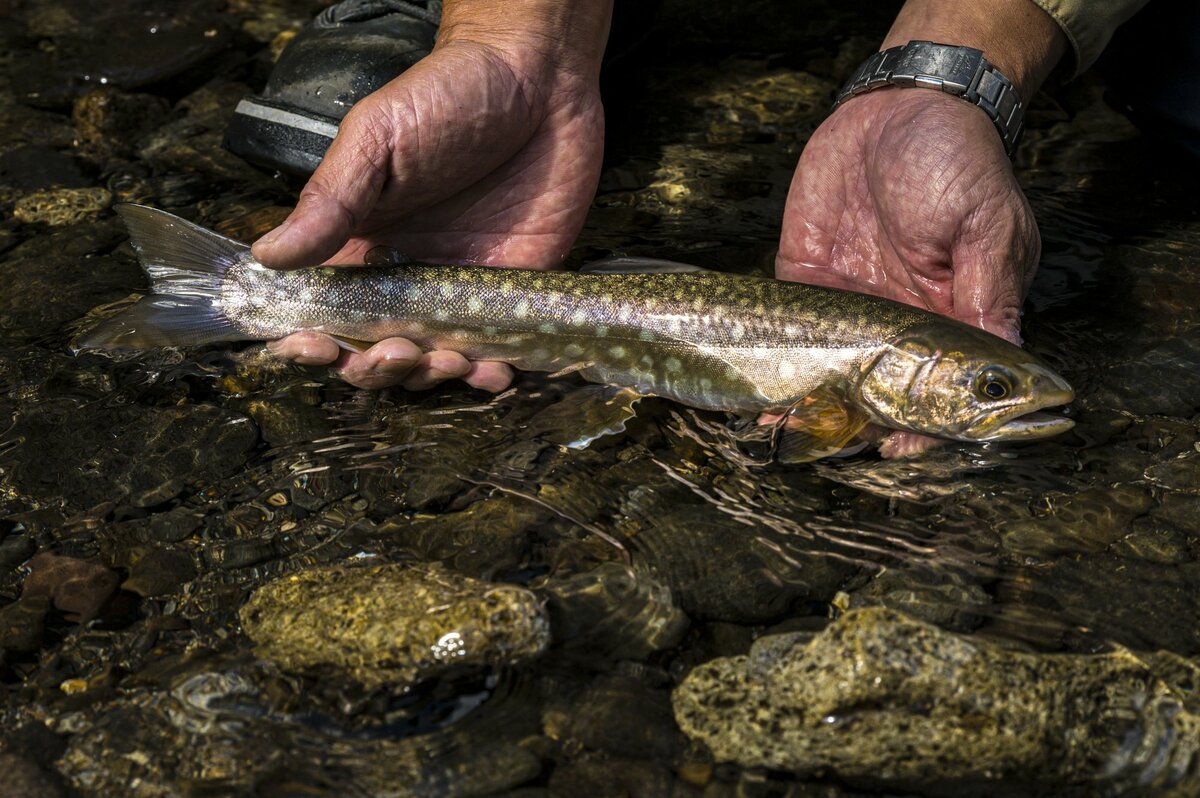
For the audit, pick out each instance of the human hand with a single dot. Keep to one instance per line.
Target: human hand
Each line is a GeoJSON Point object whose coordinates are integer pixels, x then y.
{"type": "Point", "coordinates": [908, 194]}
{"type": "Point", "coordinates": [487, 151]}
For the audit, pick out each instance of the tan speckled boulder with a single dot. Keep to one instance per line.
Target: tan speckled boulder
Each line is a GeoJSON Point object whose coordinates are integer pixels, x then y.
{"type": "Point", "coordinates": [393, 623]}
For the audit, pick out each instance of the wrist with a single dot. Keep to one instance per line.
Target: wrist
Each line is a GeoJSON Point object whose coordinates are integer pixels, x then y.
{"type": "Point", "coordinates": [542, 38]}
{"type": "Point", "coordinates": [1016, 36]}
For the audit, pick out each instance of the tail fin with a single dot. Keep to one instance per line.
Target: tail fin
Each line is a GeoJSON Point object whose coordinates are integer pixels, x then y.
{"type": "Point", "coordinates": [187, 266]}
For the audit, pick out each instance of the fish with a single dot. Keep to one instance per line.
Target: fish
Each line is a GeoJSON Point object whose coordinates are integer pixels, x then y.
{"type": "Point", "coordinates": [830, 363]}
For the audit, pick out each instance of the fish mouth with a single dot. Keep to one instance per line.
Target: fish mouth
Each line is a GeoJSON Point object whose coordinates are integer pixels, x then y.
{"type": "Point", "coordinates": [1030, 426]}
{"type": "Point", "coordinates": [1027, 422]}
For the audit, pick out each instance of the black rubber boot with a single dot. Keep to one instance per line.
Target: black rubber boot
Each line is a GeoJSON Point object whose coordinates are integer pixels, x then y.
{"type": "Point", "coordinates": [349, 50]}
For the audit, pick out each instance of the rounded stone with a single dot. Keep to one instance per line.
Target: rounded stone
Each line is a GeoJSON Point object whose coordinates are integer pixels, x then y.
{"type": "Point", "coordinates": [61, 206]}
{"type": "Point", "coordinates": [393, 623]}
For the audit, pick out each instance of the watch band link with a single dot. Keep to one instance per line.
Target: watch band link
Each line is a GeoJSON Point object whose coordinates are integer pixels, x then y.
{"type": "Point", "coordinates": [959, 71]}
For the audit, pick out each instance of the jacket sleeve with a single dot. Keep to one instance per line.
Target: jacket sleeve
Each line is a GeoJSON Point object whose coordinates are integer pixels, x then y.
{"type": "Point", "coordinates": [1089, 24]}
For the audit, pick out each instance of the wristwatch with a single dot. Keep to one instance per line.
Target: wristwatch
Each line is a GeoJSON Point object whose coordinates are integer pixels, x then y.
{"type": "Point", "coordinates": [960, 71]}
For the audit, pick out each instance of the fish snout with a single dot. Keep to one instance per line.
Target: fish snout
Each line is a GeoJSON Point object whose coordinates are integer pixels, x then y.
{"type": "Point", "coordinates": [1050, 388]}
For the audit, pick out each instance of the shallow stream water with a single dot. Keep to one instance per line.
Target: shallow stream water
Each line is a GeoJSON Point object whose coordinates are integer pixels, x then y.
{"type": "Point", "coordinates": [144, 500]}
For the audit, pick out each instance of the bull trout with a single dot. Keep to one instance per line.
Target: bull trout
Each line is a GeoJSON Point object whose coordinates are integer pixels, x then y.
{"type": "Point", "coordinates": [833, 361]}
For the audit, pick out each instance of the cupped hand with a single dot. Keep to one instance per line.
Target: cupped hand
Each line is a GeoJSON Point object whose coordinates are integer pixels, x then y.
{"type": "Point", "coordinates": [908, 194]}
{"type": "Point", "coordinates": [476, 154]}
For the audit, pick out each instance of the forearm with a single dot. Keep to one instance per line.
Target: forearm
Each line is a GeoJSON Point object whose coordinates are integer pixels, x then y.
{"type": "Point", "coordinates": [553, 36]}
{"type": "Point", "coordinates": [1018, 37]}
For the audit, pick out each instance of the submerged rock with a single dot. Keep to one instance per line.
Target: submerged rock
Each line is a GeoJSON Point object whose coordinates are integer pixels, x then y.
{"type": "Point", "coordinates": [78, 588]}
{"type": "Point", "coordinates": [393, 623]}
{"type": "Point", "coordinates": [880, 699]}
{"type": "Point", "coordinates": [59, 206]}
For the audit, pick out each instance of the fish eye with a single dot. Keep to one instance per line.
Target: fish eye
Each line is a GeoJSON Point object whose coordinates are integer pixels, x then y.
{"type": "Point", "coordinates": [993, 383]}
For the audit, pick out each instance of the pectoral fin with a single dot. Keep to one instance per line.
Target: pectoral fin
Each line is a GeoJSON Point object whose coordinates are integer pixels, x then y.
{"type": "Point", "coordinates": [819, 425]}
{"type": "Point", "coordinates": [585, 415]}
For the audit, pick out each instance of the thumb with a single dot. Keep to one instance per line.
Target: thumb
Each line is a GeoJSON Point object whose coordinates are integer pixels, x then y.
{"type": "Point", "coordinates": [336, 200]}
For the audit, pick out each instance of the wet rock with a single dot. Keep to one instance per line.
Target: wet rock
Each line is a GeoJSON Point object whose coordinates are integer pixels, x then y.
{"type": "Point", "coordinates": [62, 205]}
{"type": "Point", "coordinates": [486, 537]}
{"type": "Point", "coordinates": [1090, 520]}
{"type": "Point", "coordinates": [723, 574]}
{"type": "Point", "coordinates": [192, 143]}
{"type": "Point", "coordinates": [127, 44]}
{"type": "Point", "coordinates": [393, 623]}
{"type": "Point", "coordinates": [15, 550]}
{"type": "Point", "coordinates": [591, 774]}
{"type": "Point", "coordinates": [159, 572]}
{"type": "Point", "coordinates": [621, 717]}
{"type": "Point", "coordinates": [613, 610]}
{"type": "Point", "coordinates": [32, 167]}
{"type": "Point", "coordinates": [948, 600]}
{"type": "Point", "coordinates": [109, 122]}
{"type": "Point", "coordinates": [78, 588]}
{"type": "Point", "coordinates": [881, 699]}
{"type": "Point", "coordinates": [285, 421]}
{"type": "Point", "coordinates": [65, 288]}
{"type": "Point", "coordinates": [22, 624]}
{"type": "Point", "coordinates": [20, 778]}
{"type": "Point", "coordinates": [144, 455]}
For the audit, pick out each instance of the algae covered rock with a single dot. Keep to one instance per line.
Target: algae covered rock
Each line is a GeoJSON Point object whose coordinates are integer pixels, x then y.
{"type": "Point", "coordinates": [880, 699]}
{"type": "Point", "coordinates": [393, 623]}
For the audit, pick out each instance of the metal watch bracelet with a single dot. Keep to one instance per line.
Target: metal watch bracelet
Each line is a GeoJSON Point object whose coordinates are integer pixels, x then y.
{"type": "Point", "coordinates": [960, 71]}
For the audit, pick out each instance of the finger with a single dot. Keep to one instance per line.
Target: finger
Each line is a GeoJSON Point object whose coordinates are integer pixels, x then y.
{"type": "Point", "coordinates": [385, 364]}
{"type": "Point", "coordinates": [306, 348]}
{"type": "Point", "coordinates": [338, 197]}
{"type": "Point", "coordinates": [907, 444]}
{"type": "Point", "coordinates": [488, 375]}
{"type": "Point", "coordinates": [436, 367]}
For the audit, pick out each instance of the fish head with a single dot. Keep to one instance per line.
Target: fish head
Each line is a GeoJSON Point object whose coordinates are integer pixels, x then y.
{"type": "Point", "coordinates": [950, 380]}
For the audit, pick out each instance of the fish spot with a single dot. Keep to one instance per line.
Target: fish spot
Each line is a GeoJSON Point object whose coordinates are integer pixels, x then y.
{"type": "Point", "coordinates": [522, 309]}
{"type": "Point", "coordinates": [625, 313]}
{"type": "Point", "coordinates": [617, 351]}
{"type": "Point", "coordinates": [646, 335]}
{"type": "Point", "coordinates": [506, 287]}
{"type": "Point", "coordinates": [441, 315]}
{"type": "Point", "coordinates": [673, 364]}
{"type": "Point", "coordinates": [447, 290]}
{"type": "Point", "coordinates": [474, 305]}
{"type": "Point", "coordinates": [306, 295]}
{"type": "Point", "coordinates": [579, 317]}
{"type": "Point", "coordinates": [548, 328]}
{"type": "Point", "coordinates": [490, 330]}
{"type": "Point", "coordinates": [601, 330]}
{"type": "Point", "coordinates": [573, 350]}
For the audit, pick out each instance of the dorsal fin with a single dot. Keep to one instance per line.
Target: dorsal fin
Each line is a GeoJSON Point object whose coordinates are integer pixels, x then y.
{"type": "Point", "coordinates": [624, 264]}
